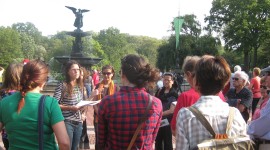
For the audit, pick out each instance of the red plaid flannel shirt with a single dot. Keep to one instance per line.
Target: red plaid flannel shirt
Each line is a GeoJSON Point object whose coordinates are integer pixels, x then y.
{"type": "Point", "coordinates": [119, 115]}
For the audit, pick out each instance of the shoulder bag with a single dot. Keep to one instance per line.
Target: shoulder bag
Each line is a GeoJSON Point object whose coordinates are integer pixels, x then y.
{"type": "Point", "coordinates": [40, 121]}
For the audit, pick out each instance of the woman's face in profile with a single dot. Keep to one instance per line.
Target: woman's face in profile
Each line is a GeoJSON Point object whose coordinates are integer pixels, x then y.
{"type": "Point", "coordinates": [74, 72]}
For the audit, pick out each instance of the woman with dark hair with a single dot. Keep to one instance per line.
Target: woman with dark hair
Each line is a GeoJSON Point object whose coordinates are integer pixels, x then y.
{"type": "Point", "coordinates": [69, 93]}
{"type": "Point", "coordinates": [104, 88]}
{"type": "Point", "coordinates": [19, 112]}
{"type": "Point", "coordinates": [119, 114]}
{"type": "Point", "coordinates": [211, 76]}
{"type": "Point", "coordinates": [167, 94]}
{"type": "Point", "coordinates": [11, 85]}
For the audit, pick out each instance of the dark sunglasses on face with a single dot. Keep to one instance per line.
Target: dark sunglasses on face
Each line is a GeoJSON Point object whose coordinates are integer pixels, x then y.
{"type": "Point", "coordinates": [106, 73]}
{"type": "Point", "coordinates": [263, 87]}
{"type": "Point", "coordinates": [236, 79]}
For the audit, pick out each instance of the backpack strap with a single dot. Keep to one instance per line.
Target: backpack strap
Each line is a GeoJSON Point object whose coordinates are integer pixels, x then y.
{"type": "Point", "coordinates": [203, 120]}
{"type": "Point", "coordinates": [230, 119]}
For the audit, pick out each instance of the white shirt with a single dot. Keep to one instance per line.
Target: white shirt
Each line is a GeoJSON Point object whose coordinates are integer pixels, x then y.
{"type": "Point", "coordinates": [190, 132]}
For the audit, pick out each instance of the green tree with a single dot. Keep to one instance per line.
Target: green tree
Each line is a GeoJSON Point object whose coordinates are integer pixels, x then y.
{"type": "Point", "coordinates": [10, 46]}
{"type": "Point", "coordinates": [243, 24]}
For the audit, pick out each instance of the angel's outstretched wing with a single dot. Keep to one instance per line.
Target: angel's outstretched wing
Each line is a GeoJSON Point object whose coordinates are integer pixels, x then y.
{"type": "Point", "coordinates": [72, 8]}
{"type": "Point", "coordinates": [84, 10]}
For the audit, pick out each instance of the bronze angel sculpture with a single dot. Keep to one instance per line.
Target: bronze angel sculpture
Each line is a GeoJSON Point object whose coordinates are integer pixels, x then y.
{"type": "Point", "coordinates": [79, 17]}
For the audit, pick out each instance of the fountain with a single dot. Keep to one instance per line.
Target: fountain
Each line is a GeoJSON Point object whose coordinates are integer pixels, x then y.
{"type": "Point", "coordinates": [77, 48]}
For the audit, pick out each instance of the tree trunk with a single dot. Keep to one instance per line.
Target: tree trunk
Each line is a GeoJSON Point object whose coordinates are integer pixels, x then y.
{"type": "Point", "coordinates": [246, 61]}
{"type": "Point", "coordinates": [255, 57]}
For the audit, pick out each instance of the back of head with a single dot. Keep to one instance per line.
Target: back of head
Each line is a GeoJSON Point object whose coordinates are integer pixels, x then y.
{"type": "Point", "coordinates": [34, 74]}
{"type": "Point", "coordinates": [256, 71]}
{"type": "Point", "coordinates": [211, 74]}
{"type": "Point", "coordinates": [189, 63]}
{"type": "Point", "coordinates": [12, 76]}
{"type": "Point", "coordinates": [237, 68]}
{"type": "Point", "coordinates": [138, 71]}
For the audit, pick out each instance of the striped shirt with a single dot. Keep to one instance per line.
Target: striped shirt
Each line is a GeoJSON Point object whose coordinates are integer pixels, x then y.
{"type": "Point", "coordinates": [190, 132]}
{"type": "Point", "coordinates": [64, 98]}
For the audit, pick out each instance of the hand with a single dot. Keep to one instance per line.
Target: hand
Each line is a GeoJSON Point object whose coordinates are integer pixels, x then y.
{"type": "Point", "coordinates": [74, 108]}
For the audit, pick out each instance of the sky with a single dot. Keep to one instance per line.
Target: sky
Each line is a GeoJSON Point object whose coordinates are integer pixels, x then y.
{"type": "Point", "coordinates": [136, 17]}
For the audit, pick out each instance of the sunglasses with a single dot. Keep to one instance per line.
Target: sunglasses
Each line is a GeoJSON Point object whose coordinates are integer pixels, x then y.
{"type": "Point", "coordinates": [106, 73]}
{"type": "Point", "coordinates": [263, 87]}
{"type": "Point", "coordinates": [236, 79]}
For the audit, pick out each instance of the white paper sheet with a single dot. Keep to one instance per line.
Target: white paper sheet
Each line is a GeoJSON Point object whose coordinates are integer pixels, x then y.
{"type": "Point", "coordinates": [85, 102]}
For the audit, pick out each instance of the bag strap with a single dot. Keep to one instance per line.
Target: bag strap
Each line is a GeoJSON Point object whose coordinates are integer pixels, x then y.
{"type": "Point", "coordinates": [203, 120]}
{"type": "Point", "coordinates": [142, 120]}
{"type": "Point", "coordinates": [230, 119]}
{"type": "Point", "coordinates": [40, 121]}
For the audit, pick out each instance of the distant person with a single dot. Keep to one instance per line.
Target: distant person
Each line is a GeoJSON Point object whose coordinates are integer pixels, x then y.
{"type": "Point", "coordinates": [95, 77]}
{"type": "Point", "coordinates": [265, 91]}
{"type": "Point", "coordinates": [254, 86]}
{"type": "Point", "coordinates": [104, 88]}
{"type": "Point", "coordinates": [239, 96]}
{"type": "Point", "coordinates": [19, 112]}
{"type": "Point", "coordinates": [229, 85]}
{"type": "Point", "coordinates": [88, 83]}
{"type": "Point", "coordinates": [167, 95]}
{"type": "Point", "coordinates": [120, 113]}
{"type": "Point", "coordinates": [180, 80]}
{"type": "Point", "coordinates": [11, 85]}
{"type": "Point", "coordinates": [211, 75]}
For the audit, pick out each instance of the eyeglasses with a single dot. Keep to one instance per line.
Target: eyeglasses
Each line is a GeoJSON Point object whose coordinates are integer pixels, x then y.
{"type": "Point", "coordinates": [263, 87]}
{"type": "Point", "coordinates": [236, 79]}
{"type": "Point", "coordinates": [106, 73]}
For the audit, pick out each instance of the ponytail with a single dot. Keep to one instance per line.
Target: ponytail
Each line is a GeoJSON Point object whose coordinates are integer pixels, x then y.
{"type": "Point", "coordinates": [21, 103]}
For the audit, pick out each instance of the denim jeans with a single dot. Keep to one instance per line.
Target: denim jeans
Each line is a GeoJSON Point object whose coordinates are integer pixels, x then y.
{"type": "Point", "coordinates": [74, 132]}
{"type": "Point", "coordinates": [88, 89]}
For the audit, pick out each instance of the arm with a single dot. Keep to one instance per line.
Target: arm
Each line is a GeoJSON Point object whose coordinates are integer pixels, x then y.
{"type": "Point", "coordinates": [169, 111]}
{"type": "Point", "coordinates": [178, 106]}
{"type": "Point", "coordinates": [60, 132]}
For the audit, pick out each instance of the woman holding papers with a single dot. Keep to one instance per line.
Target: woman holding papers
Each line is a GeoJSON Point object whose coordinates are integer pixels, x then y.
{"type": "Point", "coordinates": [167, 94]}
{"type": "Point", "coordinates": [69, 94]}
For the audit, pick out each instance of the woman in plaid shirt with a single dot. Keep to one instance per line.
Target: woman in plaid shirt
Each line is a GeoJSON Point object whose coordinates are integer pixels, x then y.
{"type": "Point", "coordinates": [119, 114]}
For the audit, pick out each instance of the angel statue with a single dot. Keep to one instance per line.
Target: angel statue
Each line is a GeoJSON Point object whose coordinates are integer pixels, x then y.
{"type": "Point", "coordinates": [78, 21]}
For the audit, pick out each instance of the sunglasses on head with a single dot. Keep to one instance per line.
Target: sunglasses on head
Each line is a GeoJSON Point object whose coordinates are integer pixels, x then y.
{"type": "Point", "coordinates": [236, 79]}
{"type": "Point", "coordinates": [106, 73]}
{"type": "Point", "coordinates": [263, 87]}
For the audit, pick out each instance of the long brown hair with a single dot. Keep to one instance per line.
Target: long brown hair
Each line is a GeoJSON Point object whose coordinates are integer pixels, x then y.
{"type": "Point", "coordinates": [12, 77]}
{"type": "Point", "coordinates": [34, 74]}
{"type": "Point", "coordinates": [79, 81]}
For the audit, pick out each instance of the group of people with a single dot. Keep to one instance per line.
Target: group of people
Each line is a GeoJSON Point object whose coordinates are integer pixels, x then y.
{"type": "Point", "coordinates": [128, 116]}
